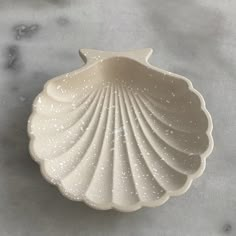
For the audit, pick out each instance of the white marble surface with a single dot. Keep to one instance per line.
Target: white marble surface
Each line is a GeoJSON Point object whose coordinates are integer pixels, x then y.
{"type": "Point", "coordinates": [195, 38]}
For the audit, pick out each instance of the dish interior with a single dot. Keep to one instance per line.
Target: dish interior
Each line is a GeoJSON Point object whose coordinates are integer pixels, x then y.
{"type": "Point", "coordinates": [119, 132]}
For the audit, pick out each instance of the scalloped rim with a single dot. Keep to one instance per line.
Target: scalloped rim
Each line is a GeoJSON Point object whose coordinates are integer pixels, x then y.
{"type": "Point", "coordinates": [140, 204]}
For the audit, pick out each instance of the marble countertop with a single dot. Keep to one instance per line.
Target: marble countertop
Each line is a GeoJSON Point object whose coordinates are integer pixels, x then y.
{"type": "Point", "coordinates": [40, 39]}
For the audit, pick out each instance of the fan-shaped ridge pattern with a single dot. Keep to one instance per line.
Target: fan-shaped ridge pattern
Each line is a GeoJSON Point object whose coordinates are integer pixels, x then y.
{"type": "Point", "coordinates": [120, 145]}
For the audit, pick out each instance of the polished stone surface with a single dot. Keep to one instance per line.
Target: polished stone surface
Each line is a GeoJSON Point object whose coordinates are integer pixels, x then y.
{"type": "Point", "coordinates": [40, 39]}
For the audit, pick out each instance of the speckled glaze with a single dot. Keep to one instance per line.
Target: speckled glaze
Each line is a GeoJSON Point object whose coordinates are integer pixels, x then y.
{"type": "Point", "coordinates": [119, 132]}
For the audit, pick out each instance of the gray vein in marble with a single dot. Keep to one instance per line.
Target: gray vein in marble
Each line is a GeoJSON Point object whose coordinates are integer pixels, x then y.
{"type": "Point", "coordinates": [14, 89]}
{"type": "Point", "coordinates": [227, 228]}
{"type": "Point", "coordinates": [25, 31]}
{"type": "Point", "coordinates": [60, 3]}
{"type": "Point", "coordinates": [62, 21]}
{"type": "Point", "coordinates": [35, 4]}
{"type": "Point", "coordinates": [12, 56]}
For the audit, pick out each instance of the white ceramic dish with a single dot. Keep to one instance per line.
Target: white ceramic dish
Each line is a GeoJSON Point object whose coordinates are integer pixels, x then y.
{"type": "Point", "coordinates": [119, 132]}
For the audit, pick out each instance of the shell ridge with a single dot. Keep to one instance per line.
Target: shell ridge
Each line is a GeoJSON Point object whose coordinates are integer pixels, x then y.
{"type": "Point", "coordinates": [121, 112]}
{"type": "Point", "coordinates": [92, 118]}
{"type": "Point", "coordinates": [149, 106]}
{"type": "Point", "coordinates": [119, 124]}
{"type": "Point", "coordinates": [160, 141]}
{"type": "Point", "coordinates": [159, 105]}
{"type": "Point", "coordinates": [74, 106]}
{"type": "Point", "coordinates": [70, 108]}
{"type": "Point", "coordinates": [150, 143]}
{"type": "Point", "coordinates": [106, 133]}
{"type": "Point", "coordinates": [78, 135]}
{"type": "Point", "coordinates": [163, 139]}
{"type": "Point", "coordinates": [79, 116]}
{"type": "Point", "coordinates": [77, 119]}
{"type": "Point", "coordinates": [75, 156]}
{"type": "Point", "coordinates": [141, 157]}
{"type": "Point", "coordinates": [86, 156]}
{"type": "Point", "coordinates": [151, 151]}
{"type": "Point", "coordinates": [63, 156]}
{"type": "Point", "coordinates": [55, 98]}
{"type": "Point", "coordinates": [162, 107]}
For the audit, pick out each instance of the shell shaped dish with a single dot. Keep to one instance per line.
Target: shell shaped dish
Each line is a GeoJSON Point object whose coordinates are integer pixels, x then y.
{"type": "Point", "coordinates": [120, 133]}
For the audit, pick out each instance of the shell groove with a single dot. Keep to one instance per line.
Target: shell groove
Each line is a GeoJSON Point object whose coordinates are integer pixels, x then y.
{"type": "Point", "coordinates": [120, 134]}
